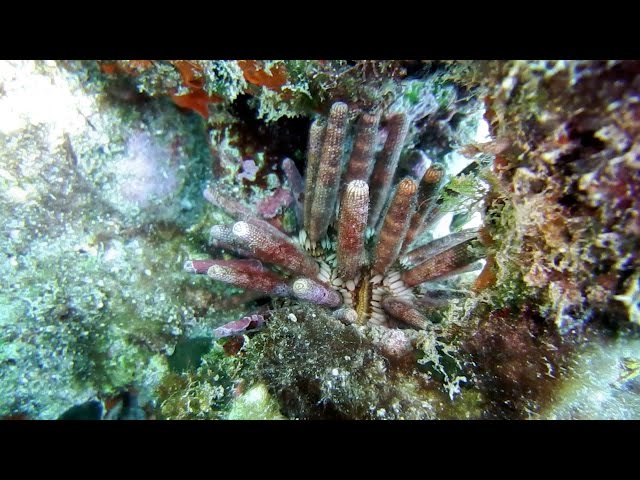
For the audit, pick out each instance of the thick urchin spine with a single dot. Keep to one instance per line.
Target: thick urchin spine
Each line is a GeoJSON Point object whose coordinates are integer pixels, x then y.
{"type": "Point", "coordinates": [420, 254]}
{"type": "Point", "coordinates": [352, 225]}
{"type": "Point", "coordinates": [395, 225]}
{"type": "Point", "coordinates": [443, 264]}
{"type": "Point", "coordinates": [240, 212]}
{"type": "Point", "coordinates": [296, 184]}
{"type": "Point", "coordinates": [221, 236]}
{"type": "Point", "coordinates": [404, 310]}
{"type": "Point", "coordinates": [202, 266]}
{"type": "Point", "coordinates": [316, 134]}
{"type": "Point", "coordinates": [427, 193]}
{"type": "Point", "coordinates": [275, 249]}
{"type": "Point", "coordinates": [361, 161]}
{"type": "Point", "coordinates": [250, 277]}
{"type": "Point", "coordinates": [316, 292]}
{"type": "Point", "coordinates": [385, 167]}
{"type": "Point", "coordinates": [327, 180]}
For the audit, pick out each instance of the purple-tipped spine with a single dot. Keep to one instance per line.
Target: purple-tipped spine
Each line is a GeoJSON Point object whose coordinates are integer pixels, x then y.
{"type": "Point", "coordinates": [316, 292]}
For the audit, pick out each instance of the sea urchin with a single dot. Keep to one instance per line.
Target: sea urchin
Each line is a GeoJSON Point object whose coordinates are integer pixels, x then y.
{"type": "Point", "coordinates": [354, 255]}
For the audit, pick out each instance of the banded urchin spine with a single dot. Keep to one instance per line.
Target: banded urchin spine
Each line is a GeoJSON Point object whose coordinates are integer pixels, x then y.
{"type": "Point", "coordinates": [361, 160]}
{"type": "Point", "coordinates": [326, 184]}
{"type": "Point", "coordinates": [247, 274]}
{"type": "Point", "coordinates": [430, 185]}
{"type": "Point", "coordinates": [274, 249]}
{"type": "Point", "coordinates": [316, 292]}
{"type": "Point", "coordinates": [395, 225]}
{"type": "Point", "coordinates": [442, 264]}
{"type": "Point", "coordinates": [352, 225]}
{"type": "Point", "coordinates": [386, 165]}
{"type": "Point", "coordinates": [316, 136]}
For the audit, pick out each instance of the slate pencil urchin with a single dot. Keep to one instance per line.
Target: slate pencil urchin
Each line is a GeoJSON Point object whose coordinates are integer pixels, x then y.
{"type": "Point", "coordinates": [354, 251]}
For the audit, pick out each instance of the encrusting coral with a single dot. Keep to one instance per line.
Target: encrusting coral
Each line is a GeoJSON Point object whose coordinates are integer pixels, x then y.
{"type": "Point", "coordinates": [352, 254]}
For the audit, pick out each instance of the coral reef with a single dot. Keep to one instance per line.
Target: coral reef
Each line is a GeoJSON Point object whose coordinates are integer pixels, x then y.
{"type": "Point", "coordinates": [377, 239]}
{"type": "Point", "coordinates": [562, 234]}
{"type": "Point", "coordinates": [569, 179]}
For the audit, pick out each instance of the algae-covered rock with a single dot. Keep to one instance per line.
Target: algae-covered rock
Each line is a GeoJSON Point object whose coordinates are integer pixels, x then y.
{"type": "Point", "coordinates": [255, 404]}
{"type": "Point", "coordinates": [88, 306]}
{"type": "Point", "coordinates": [316, 368]}
{"type": "Point", "coordinates": [568, 176]}
{"type": "Point", "coordinates": [199, 391]}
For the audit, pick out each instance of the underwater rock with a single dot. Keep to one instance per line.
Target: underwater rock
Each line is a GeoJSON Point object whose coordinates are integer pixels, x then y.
{"type": "Point", "coordinates": [83, 309]}
{"type": "Point", "coordinates": [569, 182]}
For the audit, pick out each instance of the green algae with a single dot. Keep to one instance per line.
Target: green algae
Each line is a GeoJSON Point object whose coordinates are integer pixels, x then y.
{"type": "Point", "coordinates": [204, 392]}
